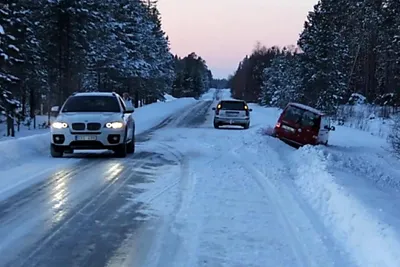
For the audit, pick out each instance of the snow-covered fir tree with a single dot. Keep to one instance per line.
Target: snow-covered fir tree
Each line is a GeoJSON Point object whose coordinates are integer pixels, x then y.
{"type": "Point", "coordinates": [63, 46]}
{"type": "Point", "coordinates": [193, 77]}
{"type": "Point", "coordinates": [324, 58]}
{"type": "Point", "coordinates": [248, 80]}
{"type": "Point", "coordinates": [281, 81]}
{"type": "Point", "coordinates": [10, 62]}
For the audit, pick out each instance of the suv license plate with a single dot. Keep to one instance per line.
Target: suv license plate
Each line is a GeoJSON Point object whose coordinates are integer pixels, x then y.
{"type": "Point", "coordinates": [85, 138]}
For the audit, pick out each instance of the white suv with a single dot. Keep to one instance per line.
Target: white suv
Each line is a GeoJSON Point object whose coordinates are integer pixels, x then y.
{"type": "Point", "coordinates": [93, 121]}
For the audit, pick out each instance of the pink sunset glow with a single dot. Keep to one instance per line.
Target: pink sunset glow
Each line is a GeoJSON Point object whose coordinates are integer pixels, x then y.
{"type": "Point", "coordinates": [224, 31]}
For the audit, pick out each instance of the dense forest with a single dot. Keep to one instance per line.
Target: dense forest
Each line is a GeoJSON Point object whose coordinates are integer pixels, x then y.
{"type": "Point", "coordinates": [346, 47]}
{"type": "Point", "coordinates": [219, 83]}
{"type": "Point", "coordinates": [192, 76]}
{"type": "Point", "coordinates": [50, 49]}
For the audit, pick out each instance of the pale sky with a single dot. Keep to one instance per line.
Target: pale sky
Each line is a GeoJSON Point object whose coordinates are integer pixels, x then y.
{"type": "Point", "coordinates": [222, 32]}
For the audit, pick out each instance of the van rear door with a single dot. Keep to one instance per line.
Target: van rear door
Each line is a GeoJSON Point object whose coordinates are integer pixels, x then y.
{"type": "Point", "coordinates": [289, 123]}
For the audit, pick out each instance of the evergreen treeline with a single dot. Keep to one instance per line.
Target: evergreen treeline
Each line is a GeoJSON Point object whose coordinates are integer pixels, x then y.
{"type": "Point", "coordinates": [193, 77]}
{"type": "Point", "coordinates": [50, 49]}
{"type": "Point", "coordinates": [219, 83]}
{"type": "Point", "coordinates": [346, 47]}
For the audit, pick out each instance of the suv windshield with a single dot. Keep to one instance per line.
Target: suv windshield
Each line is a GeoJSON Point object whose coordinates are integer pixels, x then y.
{"type": "Point", "coordinates": [232, 105]}
{"type": "Point", "coordinates": [301, 116]}
{"type": "Point", "coordinates": [91, 104]}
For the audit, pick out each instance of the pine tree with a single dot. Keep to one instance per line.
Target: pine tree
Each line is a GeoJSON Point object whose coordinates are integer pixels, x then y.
{"type": "Point", "coordinates": [281, 81]}
{"type": "Point", "coordinates": [247, 82]}
{"type": "Point", "coordinates": [193, 77]}
{"type": "Point", "coordinates": [325, 57]}
{"type": "Point", "coordinates": [160, 58]}
{"type": "Point", "coordinates": [64, 46]}
{"type": "Point", "coordinates": [10, 60]}
{"type": "Point", "coordinates": [388, 50]}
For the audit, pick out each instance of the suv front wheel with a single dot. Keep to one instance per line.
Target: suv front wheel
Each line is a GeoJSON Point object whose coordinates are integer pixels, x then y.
{"type": "Point", "coordinates": [121, 151]}
{"type": "Point", "coordinates": [56, 152]}
{"type": "Point", "coordinates": [131, 145]}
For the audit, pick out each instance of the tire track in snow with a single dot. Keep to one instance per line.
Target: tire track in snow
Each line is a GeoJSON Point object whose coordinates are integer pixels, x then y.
{"type": "Point", "coordinates": [80, 211]}
{"type": "Point", "coordinates": [168, 245]}
{"type": "Point", "coordinates": [277, 182]}
{"type": "Point", "coordinates": [276, 169]}
{"type": "Point", "coordinates": [99, 212]}
{"type": "Point", "coordinates": [164, 243]}
{"type": "Point", "coordinates": [273, 196]}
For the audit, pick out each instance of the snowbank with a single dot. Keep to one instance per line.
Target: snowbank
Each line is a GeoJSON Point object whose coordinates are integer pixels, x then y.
{"type": "Point", "coordinates": [23, 149]}
{"type": "Point", "coordinates": [20, 150]}
{"type": "Point", "coordinates": [150, 115]}
{"type": "Point", "coordinates": [24, 130]}
{"type": "Point", "coordinates": [349, 137]}
{"type": "Point", "coordinates": [168, 98]}
{"type": "Point", "coordinates": [372, 242]}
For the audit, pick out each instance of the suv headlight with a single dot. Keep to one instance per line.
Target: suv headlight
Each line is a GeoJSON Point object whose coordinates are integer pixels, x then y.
{"type": "Point", "coordinates": [115, 125]}
{"type": "Point", "coordinates": [59, 125]}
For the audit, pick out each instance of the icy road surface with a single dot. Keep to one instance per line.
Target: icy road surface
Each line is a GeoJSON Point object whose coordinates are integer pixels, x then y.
{"type": "Point", "coordinates": [190, 196]}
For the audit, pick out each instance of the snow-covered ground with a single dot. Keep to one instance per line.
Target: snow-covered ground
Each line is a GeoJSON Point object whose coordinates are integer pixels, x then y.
{"type": "Point", "coordinates": [168, 98]}
{"type": "Point", "coordinates": [241, 198]}
{"type": "Point", "coordinates": [235, 197]}
{"type": "Point", "coordinates": [373, 119]}
{"type": "Point", "coordinates": [210, 95]}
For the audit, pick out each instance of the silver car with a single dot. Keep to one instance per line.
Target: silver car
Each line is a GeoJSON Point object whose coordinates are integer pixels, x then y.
{"type": "Point", "coordinates": [93, 121]}
{"type": "Point", "coordinates": [232, 112]}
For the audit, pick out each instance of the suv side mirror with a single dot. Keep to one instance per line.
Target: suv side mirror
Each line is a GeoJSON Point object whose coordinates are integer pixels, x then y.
{"type": "Point", "coordinates": [129, 110]}
{"type": "Point", "coordinates": [213, 108]}
{"type": "Point", "coordinates": [250, 109]}
{"type": "Point", "coordinates": [55, 109]}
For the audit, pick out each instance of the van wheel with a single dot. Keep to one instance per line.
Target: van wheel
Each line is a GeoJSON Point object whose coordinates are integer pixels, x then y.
{"type": "Point", "coordinates": [216, 125]}
{"type": "Point", "coordinates": [247, 125]}
{"type": "Point", "coordinates": [56, 152]}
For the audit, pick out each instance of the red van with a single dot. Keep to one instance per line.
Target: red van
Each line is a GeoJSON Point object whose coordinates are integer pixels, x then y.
{"type": "Point", "coordinates": [303, 125]}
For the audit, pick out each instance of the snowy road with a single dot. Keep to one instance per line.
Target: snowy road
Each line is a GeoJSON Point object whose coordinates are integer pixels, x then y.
{"type": "Point", "coordinates": [190, 196]}
{"type": "Point", "coordinates": [71, 217]}
{"type": "Point", "coordinates": [227, 211]}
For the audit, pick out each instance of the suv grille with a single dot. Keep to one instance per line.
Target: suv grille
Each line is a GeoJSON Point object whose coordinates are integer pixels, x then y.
{"type": "Point", "coordinates": [93, 126]}
{"type": "Point", "coordinates": [78, 126]}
